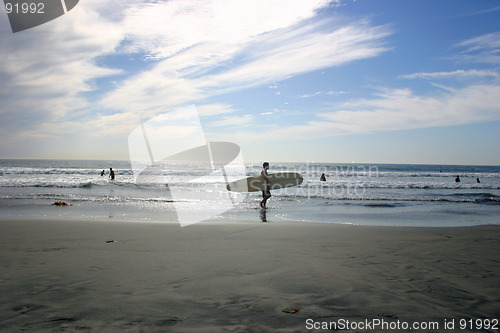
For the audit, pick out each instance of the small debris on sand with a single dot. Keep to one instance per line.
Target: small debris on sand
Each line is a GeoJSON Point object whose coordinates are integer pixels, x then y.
{"type": "Point", "coordinates": [61, 203]}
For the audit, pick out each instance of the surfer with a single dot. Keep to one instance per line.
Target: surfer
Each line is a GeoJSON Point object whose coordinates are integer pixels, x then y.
{"type": "Point", "coordinates": [457, 180]}
{"type": "Point", "coordinates": [102, 173]}
{"type": "Point", "coordinates": [322, 178]}
{"type": "Point", "coordinates": [111, 174]}
{"type": "Point", "coordinates": [266, 194]}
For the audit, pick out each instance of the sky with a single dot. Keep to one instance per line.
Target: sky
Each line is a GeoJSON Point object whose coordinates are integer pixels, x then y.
{"type": "Point", "coordinates": [365, 81]}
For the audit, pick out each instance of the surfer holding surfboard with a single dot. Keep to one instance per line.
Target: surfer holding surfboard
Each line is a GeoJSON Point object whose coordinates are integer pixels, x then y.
{"type": "Point", "coordinates": [266, 182]}
{"type": "Point", "coordinates": [266, 192]}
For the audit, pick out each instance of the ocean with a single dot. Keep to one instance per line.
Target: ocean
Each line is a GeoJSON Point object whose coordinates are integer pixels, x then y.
{"type": "Point", "coordinates": [362, 194]}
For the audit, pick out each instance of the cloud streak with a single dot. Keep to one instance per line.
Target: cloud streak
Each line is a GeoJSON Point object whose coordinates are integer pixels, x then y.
{"type": "Point", "coordinates": [326, 93]}
{"type": "Point", "coordinates": [45, 71]}
{"type": "Point", "coordinates": [161, 30]}
{"type": "Point", "coordinates": [233, 121]}
{"type": "Point", "coordinates": [458, 74]}
{"type": "Point", "coordinates": [200, 49]}
{"type": "Point", "coordinates": [211, 69]}
{"type": "Point", "coordinates": [399, 109]}
{"type": "Point", "coordinates": [481, 49]}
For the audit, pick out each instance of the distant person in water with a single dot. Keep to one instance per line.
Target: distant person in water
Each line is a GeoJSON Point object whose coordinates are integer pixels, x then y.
{"type": "Point", "coordinates": [457, 180]}
{"type": "Point", "coordinates": [111, 174]}
{"type": "Point", "coordinates": [102, 173]}
{"type": "Point", "coordinates": [266, 193]}
{"type": "Point", "coordinates": [322, 178]}
{"type": "Point", "coordinates": [478, 181]}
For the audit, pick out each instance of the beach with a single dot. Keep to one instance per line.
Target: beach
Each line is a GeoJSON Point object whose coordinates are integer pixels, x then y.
{"type": "Point", "coordinates": [106, 276]}
{"type": "Point", "coordinates": [250, 167]}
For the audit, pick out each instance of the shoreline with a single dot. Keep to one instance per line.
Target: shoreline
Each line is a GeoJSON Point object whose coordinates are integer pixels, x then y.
{"type": "Point", "coordinates": [376, 222]}
{"type": "Point", "coordinates": [115, 276]}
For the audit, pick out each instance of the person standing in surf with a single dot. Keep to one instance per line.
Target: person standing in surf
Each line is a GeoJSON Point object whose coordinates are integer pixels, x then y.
{"type": "Point", "coordinates": [266, 193]}
{"type": "Point", "coordinates": [111, 174]}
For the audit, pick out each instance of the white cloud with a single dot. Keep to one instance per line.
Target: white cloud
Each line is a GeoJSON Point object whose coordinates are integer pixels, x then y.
{"type": "Point", "coordinates": [201, 49]}
{"type": "Point", "coordinates": [482, 49]}
{"type": "Point", "coordinates": [209, 69]}
{"type": "Point", "coordinates": [402, 109]}
{"type": "Point", "coordinates": [460, 74]}
{"type": "Point", "coordinates": [311, 95]}
{"type": "Point", "coordinates": [486, 11]}
{"type": "Point", "coordinates": [98, 127]}
{"type": "Point", "coordinates": [399, 109]}
{"type": "Point", "coordinates": [44, 70]}
{"type": "Point", "coordinates": [318, 93]}
{"type": "Point", "coordinates": [282, 54]}
{"type": "Point", "coordinates": [232, 121]}
{"type": "Point", "coordinates": [205, 110]}
{"type": "Point", "coordinates": [162, 30]}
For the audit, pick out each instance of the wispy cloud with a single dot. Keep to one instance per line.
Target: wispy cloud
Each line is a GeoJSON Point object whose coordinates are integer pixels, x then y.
{"type": "Point", "coordinates": [319, 93]}
{"type": "Point", "coordinates": [482, 49]}
{"type": "Point", "coordinates": [399, 109]}
{"type": "Point", "coordinates": [460, 73]}
{"type": "Point", "coordinates": [163, 29]}
{"type": "Point", "coordinates": [215, 109]}
{"type": "Point", "coordinates": [45, 71]}
{"type": "Point", "coordinates": [210, 69]}
{"type": "Point", "coordinates": [486, 11]}
{"type": "Point", "coordinates": [299, 49]}
{"type": "Point", "coordinates": [232, 121]}
{"type": "Point", "coordinates": [200, 49]}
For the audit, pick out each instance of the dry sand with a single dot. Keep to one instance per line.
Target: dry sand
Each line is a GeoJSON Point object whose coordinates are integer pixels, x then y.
{"type": "Point", "coordinates": [69, 276]}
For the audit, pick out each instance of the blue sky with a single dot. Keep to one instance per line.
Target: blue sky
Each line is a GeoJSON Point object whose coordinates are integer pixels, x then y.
{"type": "Point", "coordinates": [369, 81]}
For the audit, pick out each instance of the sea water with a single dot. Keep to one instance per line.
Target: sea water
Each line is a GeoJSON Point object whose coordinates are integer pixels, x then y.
{"type": "Point", "coordinates": [365, 194]}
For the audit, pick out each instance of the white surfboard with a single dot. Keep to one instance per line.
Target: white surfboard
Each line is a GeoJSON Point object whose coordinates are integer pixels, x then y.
{"type": "Point", "coordinates": [256, 183]}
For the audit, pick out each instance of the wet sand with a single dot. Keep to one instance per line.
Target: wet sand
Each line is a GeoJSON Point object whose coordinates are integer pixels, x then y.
{"type": "Point", "coordinates": [123, 276]}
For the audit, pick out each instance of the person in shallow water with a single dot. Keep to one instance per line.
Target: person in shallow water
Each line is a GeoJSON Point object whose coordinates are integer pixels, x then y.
{"type": "Point", "coordinates": [322, 178]}
{"type": "Point", "coordinates": [266, 193]}
{"type": "Point", "coordinates": [457, 180]}
{"type": "Point", "coordinates": [111, 174]}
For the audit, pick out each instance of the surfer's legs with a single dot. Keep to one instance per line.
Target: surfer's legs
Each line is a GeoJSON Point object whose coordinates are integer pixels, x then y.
{"type": "Point", "coordinates": [263, 215]}
{"type": "Point", "coordinates": [263, 202]}
{"type": "Point", "coordinates": [265, 195]}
